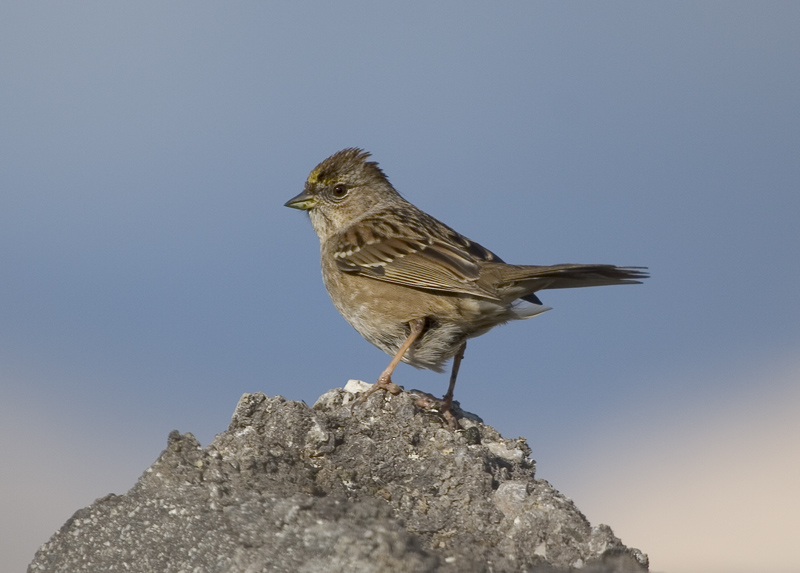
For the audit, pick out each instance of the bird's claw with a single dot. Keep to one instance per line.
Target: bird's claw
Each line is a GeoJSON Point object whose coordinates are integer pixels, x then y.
{"type": "Point", "coordinates": [381, 384]}
{"type": "Point", "coordinates": [430, 402]}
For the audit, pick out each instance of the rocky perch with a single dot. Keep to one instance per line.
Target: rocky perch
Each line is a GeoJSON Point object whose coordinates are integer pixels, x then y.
{"type": "Point", "coordinates": [382, 486]}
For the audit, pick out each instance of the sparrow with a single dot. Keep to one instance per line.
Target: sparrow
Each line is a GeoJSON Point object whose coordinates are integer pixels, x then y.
{"type": "Point", "coordinates": [411, 285]}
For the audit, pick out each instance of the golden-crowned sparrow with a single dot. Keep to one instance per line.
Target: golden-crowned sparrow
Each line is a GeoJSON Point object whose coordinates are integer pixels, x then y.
{"type": "Point", "coordinates": [411, 285]}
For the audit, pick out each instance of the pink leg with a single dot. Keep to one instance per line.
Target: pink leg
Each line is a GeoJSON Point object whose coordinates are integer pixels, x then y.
{"type": "Point", "coordinates": [447, 401]}
{"type": "Point", "coordinates": [385, 379]}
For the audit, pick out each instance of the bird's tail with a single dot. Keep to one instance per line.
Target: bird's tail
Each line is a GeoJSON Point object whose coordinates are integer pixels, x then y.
{"type": "Point", "coordinates": [532, 278]}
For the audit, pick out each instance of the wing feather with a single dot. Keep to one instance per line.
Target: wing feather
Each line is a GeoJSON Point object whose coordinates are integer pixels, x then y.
{"type": "Point", "coordinates": [420, 261]}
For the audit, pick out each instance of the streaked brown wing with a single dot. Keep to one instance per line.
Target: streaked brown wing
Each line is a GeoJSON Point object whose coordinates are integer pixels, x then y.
{"type": "Point", "coordinates": [414, 263]}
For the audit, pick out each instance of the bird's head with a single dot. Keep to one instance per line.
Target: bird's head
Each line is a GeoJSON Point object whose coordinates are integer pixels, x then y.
{"type": "Point", "coordinates": [343, 189]}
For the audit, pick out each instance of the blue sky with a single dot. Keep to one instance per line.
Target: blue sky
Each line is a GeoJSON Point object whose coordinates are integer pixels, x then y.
{"type": "Point", "coordinates": [150, 274]}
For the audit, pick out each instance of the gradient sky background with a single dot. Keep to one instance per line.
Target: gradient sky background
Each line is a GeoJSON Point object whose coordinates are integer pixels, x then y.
{"type": "Point", "coordinates": [150, 275]}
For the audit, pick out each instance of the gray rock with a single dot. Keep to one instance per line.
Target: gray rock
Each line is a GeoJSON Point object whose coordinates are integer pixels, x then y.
{"type": "Point", "coordinates": [380, 486]}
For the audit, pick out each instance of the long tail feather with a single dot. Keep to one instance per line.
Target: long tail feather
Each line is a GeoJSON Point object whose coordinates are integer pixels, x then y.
{"type": "Point", "coordinates": [571, 276]}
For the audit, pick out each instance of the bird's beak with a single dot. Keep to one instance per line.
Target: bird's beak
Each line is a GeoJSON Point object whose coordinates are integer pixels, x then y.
{"type": "Point", "coordinates": [304, 201]}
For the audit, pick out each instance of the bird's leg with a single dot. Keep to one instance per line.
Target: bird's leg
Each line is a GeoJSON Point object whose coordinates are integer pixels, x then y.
{"type": "Point", "coordinates": [385, 379]}
{"type": "Point", "coordinates": [447, 401]}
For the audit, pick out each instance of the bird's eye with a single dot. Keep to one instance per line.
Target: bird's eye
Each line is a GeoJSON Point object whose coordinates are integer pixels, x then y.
{"type": "Point", "coordinates": [340, 190]}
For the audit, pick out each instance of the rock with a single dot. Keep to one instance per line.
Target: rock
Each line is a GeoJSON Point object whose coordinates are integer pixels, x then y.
{"type": "Point", "coordinates": [380, 486]}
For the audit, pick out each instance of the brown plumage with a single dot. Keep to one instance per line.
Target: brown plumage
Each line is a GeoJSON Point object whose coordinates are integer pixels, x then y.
{"type": "Point", "coordinates": [411, 285]}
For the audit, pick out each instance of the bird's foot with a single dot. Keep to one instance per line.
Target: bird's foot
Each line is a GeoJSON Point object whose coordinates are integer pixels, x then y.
{"type": "Point", "coordinates": [383, 383]}
{"type": "Point", "coordinates": [445, 407]}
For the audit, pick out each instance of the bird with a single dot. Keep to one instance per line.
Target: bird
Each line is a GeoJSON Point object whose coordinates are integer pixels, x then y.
{"type": "Point", "coordinates": [411, 285]}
